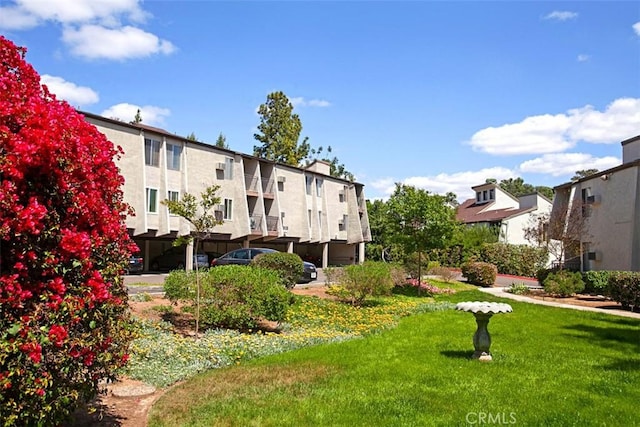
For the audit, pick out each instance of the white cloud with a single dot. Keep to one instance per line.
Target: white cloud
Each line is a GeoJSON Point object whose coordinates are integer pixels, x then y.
{"type": "Point", "coordinates": [619, 121]}
{"type": "Point", "coordinates": [70, 92]}
{"type": "Point", "coordinates": [301, 102]}
{"type": "Point", "coordinates": [94, 41]}
{"type": "Point", "coordinates": [79, 11]}
{"type": "Point", "coordinates": [567, 163]}
{"type": "Point", "coordinates": [459, 183]}
{"type": "Point", "coordinates": [91, 28]}
{"type": "Point", "coordinates": [556, 133]}
{"type": "Point", "coordinates": [561, 15]}
{"type": "Point", "coordinates": [583, 57]}
{"type": "Point", "coordinates": [14, 18]}
{"type": "Point", "coordinates": [636, 28]}
{"type": "Point", "coordinates": [151, 115]}
{"type": "Point", "coordinates": [535, 134]}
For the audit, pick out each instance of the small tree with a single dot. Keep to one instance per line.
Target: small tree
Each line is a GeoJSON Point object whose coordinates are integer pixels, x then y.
{"type": "Point", "coordinates": [562, 233]}
{"type": "Point", "coordinates": [419, 221]}
{"type": "Point", "coordinates": [200, 216]}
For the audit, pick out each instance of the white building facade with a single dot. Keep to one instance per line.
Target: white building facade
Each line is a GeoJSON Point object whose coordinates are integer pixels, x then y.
{"type": "Point", "coordinates": [263, 204]}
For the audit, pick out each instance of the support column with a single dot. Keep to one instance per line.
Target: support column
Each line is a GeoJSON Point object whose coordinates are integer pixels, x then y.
{"type": "Point", "coordinates": [360, 252]}
{"type": "Point", "coordinates": [325, 255]}
{"type": "Point", "coordinates": [290, 247]}
{"type": "Point", "coordinates": [188, 262]}
{"type": "Point", "coordinates": [146, 254]}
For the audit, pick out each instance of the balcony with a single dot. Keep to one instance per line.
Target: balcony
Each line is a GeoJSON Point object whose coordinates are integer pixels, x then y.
{"type": "Point", "coordinates": [251, 185]}
{"type": "Point", "coordinates": [256, 223]}
{"type": "Point", "coordinates": [268, 188]}
{"type": "Point", "coordinates": [272, 225]}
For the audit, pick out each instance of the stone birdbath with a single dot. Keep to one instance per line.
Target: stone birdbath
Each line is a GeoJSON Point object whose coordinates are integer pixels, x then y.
{"type": "Point", "coordinates": [483, 310]}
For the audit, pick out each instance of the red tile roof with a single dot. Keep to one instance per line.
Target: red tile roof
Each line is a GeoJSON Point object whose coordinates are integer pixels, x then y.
{"type": "Point", "coordinates": [470, 212]}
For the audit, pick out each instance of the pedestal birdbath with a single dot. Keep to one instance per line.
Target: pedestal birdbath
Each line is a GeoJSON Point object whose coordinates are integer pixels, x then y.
{"type": "Point", "coordinates": [483, 310]}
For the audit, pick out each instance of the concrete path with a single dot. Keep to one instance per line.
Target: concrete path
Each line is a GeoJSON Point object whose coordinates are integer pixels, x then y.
{"type": "Point", "coordinates": [501, 292]}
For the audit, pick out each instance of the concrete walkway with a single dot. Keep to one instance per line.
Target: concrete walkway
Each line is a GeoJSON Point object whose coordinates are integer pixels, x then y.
{"type": "Point", "coordinates": [502, 293]}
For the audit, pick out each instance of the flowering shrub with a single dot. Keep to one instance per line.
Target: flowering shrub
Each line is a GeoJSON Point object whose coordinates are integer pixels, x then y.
{"type": "Point", "coordinates": [425, 288]}
{"type": "Point", "coordinates": [63, 245]}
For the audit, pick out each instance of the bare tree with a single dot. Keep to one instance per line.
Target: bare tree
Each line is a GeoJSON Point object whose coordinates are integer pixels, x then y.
{"type": "Point", "coordinates": [561, 231]}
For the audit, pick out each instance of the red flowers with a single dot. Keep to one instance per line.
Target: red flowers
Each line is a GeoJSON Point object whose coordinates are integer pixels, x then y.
{"type": "Point", "coordinates": [62, 241]}
{"type": "Point", "coordinates": [57, 335]}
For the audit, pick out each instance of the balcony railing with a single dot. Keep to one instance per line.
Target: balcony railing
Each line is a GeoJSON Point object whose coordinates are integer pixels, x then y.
{"type": "Point", "coordinates": [272, 223]}
{"type": "Point", "coordinates": [268, 186]}
{"type": "Point", "coordinates": [256, 223]}
{"type": "Point", "coordinates": [251, 183]}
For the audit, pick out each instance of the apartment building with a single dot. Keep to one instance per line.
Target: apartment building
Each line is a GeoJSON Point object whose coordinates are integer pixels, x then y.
{"type": "Point", "coordinates": [263, 203]}
{"type": "Point", "coordinates": [494, 207]}
{"type": "Point", "coordinates": [608, 203]}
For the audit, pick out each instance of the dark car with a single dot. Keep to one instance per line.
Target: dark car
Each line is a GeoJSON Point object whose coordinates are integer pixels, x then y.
{"type": "Point", "coordinates": [245, 255]}
{"type": "Point", "coordinates": [174, 259]}
{"type": "Point", "coordinates": [135, 265]}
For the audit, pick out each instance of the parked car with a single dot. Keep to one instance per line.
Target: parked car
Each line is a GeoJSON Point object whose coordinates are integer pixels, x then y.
{"type": "Point", "coordinates": [245, 255]}
{"type": "Point", "coordinates": [174, 259]}
{"type": "Point", "coordinates": [135, 265]}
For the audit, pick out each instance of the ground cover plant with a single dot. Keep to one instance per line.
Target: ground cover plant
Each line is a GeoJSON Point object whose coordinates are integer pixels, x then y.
{"type": "Point", "coordinates": [160, 357]}
{"type": "Point", "coordinates": [551, 366]}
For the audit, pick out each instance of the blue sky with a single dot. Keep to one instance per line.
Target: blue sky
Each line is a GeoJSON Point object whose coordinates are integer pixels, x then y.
{"type": "Point", "coordinates": [440, 95]}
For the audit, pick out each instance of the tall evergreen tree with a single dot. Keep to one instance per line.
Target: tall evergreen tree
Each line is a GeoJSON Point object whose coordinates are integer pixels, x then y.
{"type": "Point", "coordinates": [279, 131]}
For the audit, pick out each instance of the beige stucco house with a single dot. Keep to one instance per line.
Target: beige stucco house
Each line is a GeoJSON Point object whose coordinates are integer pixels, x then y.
{"type": "Point", "coordinates": [263, 203]}
{"type": "Point", "coordinates": [609, 204]}
{"type": "Point", "coordinates": [493, 206]}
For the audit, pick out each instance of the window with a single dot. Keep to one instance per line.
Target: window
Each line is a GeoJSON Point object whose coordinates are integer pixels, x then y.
{"type": "Point", "coordinates": [152, 200]}
{"type": "Point", "coordinates": [228, 209]}
{"type": "Point", "coordinates": [309, 216]}
{"type": "Point", "coordinates": [151, 152]}
{"type": "Point", "coordinates": [484, 195]}
{"type": "Point", "coordinates": [308, 180]}
{"type": "Point", "coordinates": [319, 187]}
{"type": "Point", "coordinates": [491, 194]}
{"type": "Point", "coordinates": [342, 224]}
{"type": "Point", "coordinates": [320, 221]}
{"type": "Point", "coordinates": [174, 196]}
{"type": "Point", "coordinates": [173, 156]}
{"type": "Point", "coordinates": [478, 197]}
{"type": "Point", "coordinates": [228, 170]}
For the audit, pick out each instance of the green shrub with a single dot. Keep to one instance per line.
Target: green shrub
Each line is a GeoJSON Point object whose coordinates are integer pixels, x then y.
{"type": "Point", "coordinates": [373, 278]}
{"type": "Point", "coordinates": [518, 260]}
{"type": "Point", "coordinates": [289, 266]}
{"type": "Point", "coordinates": [624, 287]}
{"type": "Point", "coordinates": [543, 273]}
{"type": "Point", "coordinates": [563, 283]}
{"type": "Point", "coordinates": [596, 281]}
{"type": "Point", "coordinates": [232, 296]}
{"type": "Point", "coordinates": [332, 275]}
{"type": "Point", "coordinates": [480, 273]}
{"type": "Point", "coordinates": [518, 289]}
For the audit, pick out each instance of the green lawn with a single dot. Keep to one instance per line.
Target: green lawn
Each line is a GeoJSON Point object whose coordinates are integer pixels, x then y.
{"type": "Point", "coordinates": [551, 367]}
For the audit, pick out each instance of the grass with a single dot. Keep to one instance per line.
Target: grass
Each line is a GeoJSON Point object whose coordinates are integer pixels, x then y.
{"type": "Point", "coordinates": [552, 367]}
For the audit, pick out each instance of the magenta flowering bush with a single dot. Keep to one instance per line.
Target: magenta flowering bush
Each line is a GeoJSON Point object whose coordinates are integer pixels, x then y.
{"type": "Point", "coordinates": [427, 288]}
{"type": "Point", "coordinates": [63, 244]}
